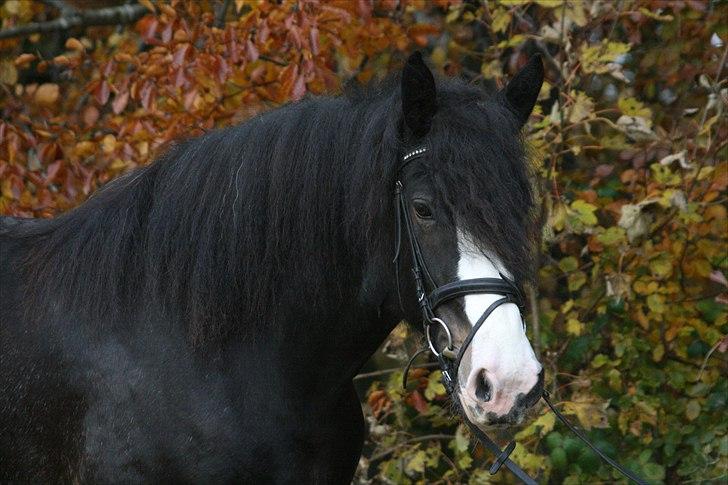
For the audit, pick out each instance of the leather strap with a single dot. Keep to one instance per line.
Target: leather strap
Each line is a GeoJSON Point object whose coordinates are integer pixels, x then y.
{"type": "Point", "coordinates": [456, 289]}
{"type": "Point", "coordinates": [620, 468]}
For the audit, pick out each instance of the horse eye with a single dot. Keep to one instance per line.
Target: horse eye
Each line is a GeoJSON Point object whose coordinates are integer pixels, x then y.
{"type": "Point", "coordinates": [422, 209]}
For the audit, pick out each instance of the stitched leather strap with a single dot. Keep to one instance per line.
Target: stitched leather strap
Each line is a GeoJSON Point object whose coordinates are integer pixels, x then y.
{"type": "Point", "coordinates": [456, 289]}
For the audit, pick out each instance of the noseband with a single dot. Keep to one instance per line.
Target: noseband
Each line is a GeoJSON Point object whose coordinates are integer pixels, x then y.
{"type": "Point", "coordinates": [447, 357]}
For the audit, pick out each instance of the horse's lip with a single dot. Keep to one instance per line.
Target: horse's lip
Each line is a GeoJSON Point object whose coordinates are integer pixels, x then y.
{"type": "Point", "coordinates": [490, 420]}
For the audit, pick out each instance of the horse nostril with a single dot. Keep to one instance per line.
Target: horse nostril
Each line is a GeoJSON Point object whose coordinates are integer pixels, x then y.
{"type": "Point", "coordinates": [483, 388]}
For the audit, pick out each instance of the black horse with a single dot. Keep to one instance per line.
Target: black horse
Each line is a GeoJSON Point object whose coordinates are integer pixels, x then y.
{"type": "Point", "coordinates": [201, 319]}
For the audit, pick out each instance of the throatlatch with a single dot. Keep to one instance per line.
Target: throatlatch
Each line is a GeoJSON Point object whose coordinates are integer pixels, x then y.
{"type": "Point", "coordinates": [447, 357]}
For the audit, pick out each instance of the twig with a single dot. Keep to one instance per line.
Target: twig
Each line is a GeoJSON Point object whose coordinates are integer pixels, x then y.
{"type": "Point", "coordinates": [61, 6]}
{"type": "Point", "coordinates": [220, 17]}
{"type": "Point", "coordinates": [416, 439]}
{"type": "Point", "coordinates": [672, 356]}
{"type": "Point", "coordinates": [263, 57]}
{"type": "Point", "coordinates": [707, 356]}
{"type": "Point", "coordinates": [382, 372]}
{"type": "Point", "coordinates": [703, 118]}
{"type": "Point", "coordinates": [535, 320]}
{"type": "Point", "coordinates": [122, 14]}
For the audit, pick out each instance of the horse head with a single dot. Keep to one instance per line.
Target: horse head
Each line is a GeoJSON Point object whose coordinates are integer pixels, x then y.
{"type": "Point", "coordinates": [465, 204]}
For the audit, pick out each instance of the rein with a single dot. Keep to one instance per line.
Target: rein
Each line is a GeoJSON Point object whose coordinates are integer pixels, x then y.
{"type": "Point", "coordinates": [448, 358]}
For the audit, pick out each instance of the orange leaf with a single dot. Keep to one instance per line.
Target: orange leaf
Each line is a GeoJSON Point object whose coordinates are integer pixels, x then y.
{"type": "Point", "coordinates": [23, 60]}
{"type": "Point", "coordinates": [74, 44]}
{"type": "Point", "coordinates": [418, 402]}
{"type": "Point", "coordinates": [47, 94]}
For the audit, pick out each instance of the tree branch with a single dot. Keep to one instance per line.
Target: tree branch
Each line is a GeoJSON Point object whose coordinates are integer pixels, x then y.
{"type": "Point", "coordinates": [61, 6]}
{"type": "Point", "coordinates": [220, 17]}
{"type": "Point", "coordinates": [383, 372]}
{"type": "Point", "coordinates": [416, 439]}
{"type": "Point", "coordinates": [123, 14]}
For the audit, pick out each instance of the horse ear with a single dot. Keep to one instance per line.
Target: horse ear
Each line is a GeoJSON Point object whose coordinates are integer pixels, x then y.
{"type": "Point", "coordinates": [521, 93]}
{"type": "Point", "coordinates": [418, 95]}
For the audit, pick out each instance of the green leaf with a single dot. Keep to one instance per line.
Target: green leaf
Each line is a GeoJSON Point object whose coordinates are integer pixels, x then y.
{"type": "Point", "coordinates": [612, 236]}
{"type": "Point", "coordinates": [599, 360]}
{"type": "Point", "coordinates": [661, 266]}
{"type": "Point", "coordinates": [632, 107]}
{"type": "Point", "coordinates": [434, 385]}
{"type": "Point", "coordinates": [461, 442]}
{"type": "Point", "coordinates": [416, 464]}
{"type": "Point", "coordinates": [576, 280]}
{"type": "Point", "coordinates": [569, 263]}
{"type": "Point", "coordinates": [582, 108]}
{"type": "Point", "coordinates": [692, 410]}
{"type": "Point", "coordinates": [584, 212]}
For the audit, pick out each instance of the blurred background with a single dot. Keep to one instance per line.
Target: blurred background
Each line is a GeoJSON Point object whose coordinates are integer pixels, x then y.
{"type": "Point", "coordinates": [630, 145]}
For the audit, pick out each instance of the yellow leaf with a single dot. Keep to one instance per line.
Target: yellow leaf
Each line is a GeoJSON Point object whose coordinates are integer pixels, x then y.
{"type": "Point", "coordinates": [558, 217]}
{"type": "Point", "coordinates": [574, 327]}
{"type": "Point", "coordinates": [582, 108]}
{"type": "Point", "coordinates": [658, 352]}
{"type": "Point", "coordinates": [702, 267]}
{"type": "Point", "coordinates": [591, 414]}
{"type": "Point", "coordinates": [550, 3]}
{"type": "Point", "coordinates": [8, 72]}
{"type": "Point", "coordinates": [656, 303]}
{"type": "Point", "coordinates": [501, 20]}
{"type": "Point", "coordinates": [656, 16]}
{"type": "Point", "coordinates": [84, 148]}
{"type": "Point", "coordinates": [108, 144]}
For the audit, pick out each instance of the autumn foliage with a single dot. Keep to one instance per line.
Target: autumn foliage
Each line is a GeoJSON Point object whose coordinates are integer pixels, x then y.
{"type": "Point", "coordinates": [630, 143]}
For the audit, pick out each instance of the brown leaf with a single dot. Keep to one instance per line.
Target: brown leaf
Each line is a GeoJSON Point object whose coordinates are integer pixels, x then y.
{"type": "Point", "coordinates": [179, 55]}
{"type": "Point", "coordinates": [90, 116]}
{"type": "Point", "coordinates": [314, 39]}
{"type": "Point", "coordinates": [102, 92]}
{"type": "Point", "coordinates": [251, 52]}
{"type": "Point", "coordinates": [52, 170]}
{"type": "Point", "coordinates": [299, 88]}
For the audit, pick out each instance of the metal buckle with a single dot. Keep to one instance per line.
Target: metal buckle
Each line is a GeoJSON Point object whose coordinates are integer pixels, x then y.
{"type": "Point", "coordinates": [429, 338]}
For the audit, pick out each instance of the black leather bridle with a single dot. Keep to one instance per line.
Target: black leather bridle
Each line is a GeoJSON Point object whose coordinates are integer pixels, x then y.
{"type": "Point", "coordinates": [447, 357]}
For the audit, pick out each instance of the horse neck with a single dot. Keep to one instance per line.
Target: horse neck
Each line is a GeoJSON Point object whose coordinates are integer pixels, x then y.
{"type": "Point", "coordinates": [320, 345]}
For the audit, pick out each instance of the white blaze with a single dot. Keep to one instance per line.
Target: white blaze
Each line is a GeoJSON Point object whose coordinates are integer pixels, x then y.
{"type": "Point", "coordinates": [500, 348]}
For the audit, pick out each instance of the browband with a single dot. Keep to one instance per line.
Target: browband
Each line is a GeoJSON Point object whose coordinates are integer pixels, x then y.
{"type": "Point", "coordinates": [457, 289]}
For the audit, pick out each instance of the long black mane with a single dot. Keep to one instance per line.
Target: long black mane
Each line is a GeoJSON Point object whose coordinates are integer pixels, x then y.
{"type": "Point", "coordinates": [222, 225]}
